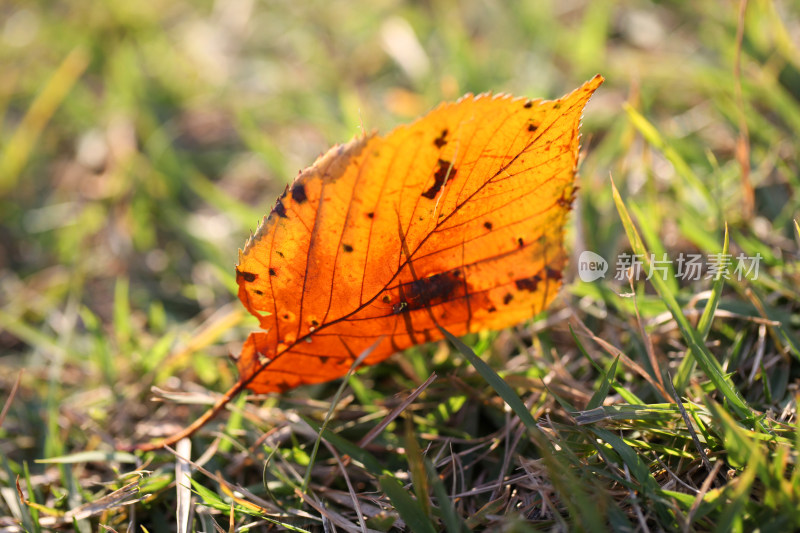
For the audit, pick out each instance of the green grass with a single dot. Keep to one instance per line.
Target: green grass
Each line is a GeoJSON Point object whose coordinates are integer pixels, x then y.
{"type": "Point", "coordinates": [140, 143]}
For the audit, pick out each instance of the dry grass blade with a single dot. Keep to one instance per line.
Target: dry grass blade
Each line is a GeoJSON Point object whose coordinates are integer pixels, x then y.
{"type": "Point", "coordinates": [689, 426]}
{"type": "Point", "coordinates": [616, 352]}
{"type": "Point", "coordinates": [198, 423]}
{"type": "Point", "coordinates": [700, 495]}
{"type": "Point", "coordinates": [127, 495]}
{"type": "Point", "coordinates": [19, 147]}
{"type": "Point", "coordinates": [230, 488]}
{"type": "Point", "coordinates": [10, 399]}
{"type": "Point", "coordinates": [183, 476]}
{"type": "Point", "coordinates": [648, 342]}
{"type": "Point", "coordinates": [634, 502]}
{"type": "Point", "coordinates": [334, 402]}
{"type": "Point", "coordinates": [350, 489]}
{"type": "Point", "coordinates": [328, 514]}
{"type": "Point", "coordinates": [743, 141]}
{"type": "Point", "coordinates": [182, 397]}
{"type": "Point", "coordinates": [375, 431]}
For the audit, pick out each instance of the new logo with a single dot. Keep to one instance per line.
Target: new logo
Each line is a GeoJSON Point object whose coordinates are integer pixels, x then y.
{"type": "Point", "coordinates": [591, 266]}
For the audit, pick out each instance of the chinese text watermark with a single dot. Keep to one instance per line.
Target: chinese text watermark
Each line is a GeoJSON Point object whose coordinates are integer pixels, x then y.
{"type": "Point", "coordinates": [687, 266]}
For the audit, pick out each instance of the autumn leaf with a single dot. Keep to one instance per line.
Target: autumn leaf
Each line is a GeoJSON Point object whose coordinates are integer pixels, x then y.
{"type": "Point", "coordinates": [456, 220]}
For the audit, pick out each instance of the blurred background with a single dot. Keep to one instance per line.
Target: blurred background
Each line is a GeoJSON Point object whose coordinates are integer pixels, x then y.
{"type": "Point", "coordinates": [141, 142]}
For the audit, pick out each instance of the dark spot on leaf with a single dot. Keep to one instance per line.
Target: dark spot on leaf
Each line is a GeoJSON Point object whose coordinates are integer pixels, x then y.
{"type": "Point", "coordinates": [347, 248]}
{"type": "Point", "coordinates": [370, 215]}
{"type": "Point", "coordinates": [507, 298]}
{"type": "Point", "coordinates": [386, 299]}
{"type": "Point", "coordinates": [260, 293]}
{"type": "Point", "coordinates": [532, 127]}
{"type": "Point", "coordinates": [279, 253]}
{"type": "Point", "coordinates": [441, 140]}
{"type": "Point", "coordinates": [272, 272]}
{"type": "Point", "coordinates": [520, 242]}
{"type": "Point", "coordinates": [286, 317]}
{"type": "Point", "coordinates": [557, 105]}
{"type": "Point", "coordinates": [434, 290]}
{"type": "Point", "coordinates": [565, 202]}
{"type": "Point", "coordinates": [323, 359]}
{"type": "Point", "coordinates": [553, 273]}
{"type": "Point", "coordinates": [528, 284]}
{"type": "Point", "coordinates": [247, 276]}
{"type": "Point", "coordinates": [443, 171]}
{"type": "Point", "coordinates": [492, 309]}
{"type": "Point", "coordinates": [487, 225]}
{"type": "Point", "coordinates": [279, 209]}
{"type": "Point", "coordinates": [314, 323]}
{"type": "Point", "coordinates": [528, 104]}
{"type": "Point", "coordinates": [299, 193]}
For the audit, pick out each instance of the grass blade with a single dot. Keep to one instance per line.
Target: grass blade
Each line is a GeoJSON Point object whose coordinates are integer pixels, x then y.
{"type": "Point", "coordinates": [602, 392]}
{"type": "Point", "coordinates": [452, 522]}
{"type": "Point", "coordinates": [408, 508]}
{"type": "Point", "coordinates": [569, 486]}
{"type": "Point", "coordinates": [496, 382]}
{"type": "Point", "coordinates": [19, 147]}
{"type": "Point", "coordinates": [695, 342]}
{"type": "Point", "coordinates": [704, 326]}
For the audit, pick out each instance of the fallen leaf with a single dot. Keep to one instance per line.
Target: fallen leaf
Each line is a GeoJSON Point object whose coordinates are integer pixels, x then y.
{"type": "Point", "coordinates": [456, 220]}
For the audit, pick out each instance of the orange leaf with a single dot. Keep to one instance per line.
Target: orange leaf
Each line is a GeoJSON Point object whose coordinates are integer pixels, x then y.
{"type": "Point", "coordinates": [456, 220]}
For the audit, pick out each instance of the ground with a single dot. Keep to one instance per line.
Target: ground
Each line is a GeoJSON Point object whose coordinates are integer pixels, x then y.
{"type": "Point", "coordinates": [141, 143]}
